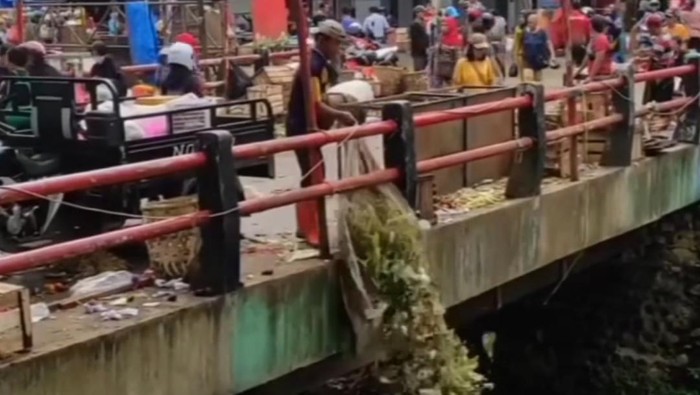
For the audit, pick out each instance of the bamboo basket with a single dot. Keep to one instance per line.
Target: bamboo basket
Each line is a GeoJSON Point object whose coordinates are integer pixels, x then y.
{"type": "Point", "coordinates": [154, 100]}
{"type": "Point", "coordinates": [390, 79]}
{"type": "Point", "coordinates": [272, 93]}
{"type": "Point", "coordinates": [416, 81]}
{"type": "Point", "coordinates": [174, 255]}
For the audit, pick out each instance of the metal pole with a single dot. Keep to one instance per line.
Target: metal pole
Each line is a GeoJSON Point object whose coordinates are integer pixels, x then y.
{"type": "Point", "coordinates": [19, 15]}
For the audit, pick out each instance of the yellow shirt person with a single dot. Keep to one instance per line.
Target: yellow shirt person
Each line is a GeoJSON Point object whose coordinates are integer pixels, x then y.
{"type": "Point", "coordinates": [477, 68]}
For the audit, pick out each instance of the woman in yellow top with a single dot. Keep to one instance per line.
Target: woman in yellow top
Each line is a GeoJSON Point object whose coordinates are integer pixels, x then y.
{"type": "Point", "coordinates": [477, 68]}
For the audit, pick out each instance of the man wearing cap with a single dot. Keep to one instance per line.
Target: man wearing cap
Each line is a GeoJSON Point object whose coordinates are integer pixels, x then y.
{"type": "Point", "coordinates": [330, 36]}
{"type": "Point", "coordinates": [420, 41]}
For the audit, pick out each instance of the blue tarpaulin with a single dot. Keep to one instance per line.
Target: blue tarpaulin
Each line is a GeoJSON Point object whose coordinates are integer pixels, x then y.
{"type": "Point", "coordinates": [143, 37]}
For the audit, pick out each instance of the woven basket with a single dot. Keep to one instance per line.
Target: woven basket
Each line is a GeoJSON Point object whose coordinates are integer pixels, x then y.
{"type": "Point", "coordinates": [414, 81]}
{"type": "Point", "coordinates": [174, 255]}
{"type": "Point", "coordinates": [390, 78]}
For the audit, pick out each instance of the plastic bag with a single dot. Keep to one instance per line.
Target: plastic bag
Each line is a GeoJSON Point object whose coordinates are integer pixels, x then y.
{"type": "Point", "coordinates": [103, 282]}
{"type": "Point", "coordinates": [361, 296]}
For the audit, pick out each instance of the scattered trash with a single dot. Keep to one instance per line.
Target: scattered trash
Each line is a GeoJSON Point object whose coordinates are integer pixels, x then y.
{"type": "Point", "coordinates": [301, 255]}
{"type": "Point", "coordinates": [163, 294]}
{"type": "Point", "coordinates": [93, 308]}
{"type": "Point", "coordinates": [122, 301]}
{"type": "Point", "coordinates": [54, 288]}
{"type": "Point", "coordinates": [175, 284]}
{"type": "Point", "coordinates": [40, 312]}
{"type": "Point", "coordinates": [151, 304]}
{"type": "Point", "coordinates": [101, 283]}
{"type": "Point", "coordinates": [118, 315]}
{"type": "Point", "coordinates": [268, 272]}
{"type": "Point", "coordinates": [172, 298]}
{"type": "Point", "coordinates": [249, 277]}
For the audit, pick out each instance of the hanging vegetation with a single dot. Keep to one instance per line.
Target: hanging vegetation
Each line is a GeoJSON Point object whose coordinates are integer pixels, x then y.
{"type": "Point", "coordinates": [426, 356]}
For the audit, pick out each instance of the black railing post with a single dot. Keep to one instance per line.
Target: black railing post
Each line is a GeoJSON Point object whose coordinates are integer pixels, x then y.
{"type": "Point", "coordinates": [400, 149]}
{"type": "Point", "coordinates": [688, 130]}
{"type": "Point", "coordinates": [218, 188]}
{"type": "Point", "coordinates": [263, 61]}
{"type": "Point", "coordinates": [618, 151]}
{"type": "Point", "coordinates": [527, 170]}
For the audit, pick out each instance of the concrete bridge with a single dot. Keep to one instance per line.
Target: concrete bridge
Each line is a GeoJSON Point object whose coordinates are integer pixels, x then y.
{"type": "Point", "coordinates": [287, 323]}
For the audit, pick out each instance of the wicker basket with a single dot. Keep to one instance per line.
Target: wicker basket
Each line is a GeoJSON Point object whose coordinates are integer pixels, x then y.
{"type": "Point", "coordinates": [414, 81]}
{"type": "Point", "coordinates": [174, 255]}
{"type": "Point", "coordinates": [390, 78]}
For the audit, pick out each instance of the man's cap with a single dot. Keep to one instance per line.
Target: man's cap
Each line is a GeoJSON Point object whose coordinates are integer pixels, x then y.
{"type": "Point", "coordinates": [418, 9]}
{"type": "Point", "coordinates": [479, 41]}
{"type": "Point", "coordinates": [332, 29]}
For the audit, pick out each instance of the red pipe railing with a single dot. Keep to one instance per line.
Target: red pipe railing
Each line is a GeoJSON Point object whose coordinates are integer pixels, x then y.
{"type": "Point", "coordinates": [238, 59]}
{"type": "Point", "coordinates": [155, 168]}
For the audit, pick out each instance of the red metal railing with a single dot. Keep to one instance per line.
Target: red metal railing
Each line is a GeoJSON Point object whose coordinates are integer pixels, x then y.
{"type": "Point", "coordinates": [163, 167]}
{"type": "Point", "coordinates": [239, 59]}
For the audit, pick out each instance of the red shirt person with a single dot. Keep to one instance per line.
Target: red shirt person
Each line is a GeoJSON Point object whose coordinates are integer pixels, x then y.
{"type": "Point", "coordinates": [580, 30]}
{"type": "Point", "coordinates": [600, 50]}
{"type": "Point", "coordinates": [452, 34]}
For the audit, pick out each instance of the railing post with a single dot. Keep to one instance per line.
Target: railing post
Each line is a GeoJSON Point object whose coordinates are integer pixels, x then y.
{"type": "Point", "coordinates": [527, 170]}
{"type": "Point", "coordinates": [400, 149]}
{"type": "Point", "coordinates": [264, 60]}
{"type": "Point", "coordinates": [618, 151]}
{"type": "Point", "coordinates": [218, 189]}
{"type": "Point", "coordinates": [688, 130]}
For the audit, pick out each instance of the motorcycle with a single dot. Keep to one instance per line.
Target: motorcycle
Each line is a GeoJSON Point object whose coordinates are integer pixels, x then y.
{"type": "Point", "coordinates": [357, 60]}
{"type": "Point", "coordinates": [33, 147]}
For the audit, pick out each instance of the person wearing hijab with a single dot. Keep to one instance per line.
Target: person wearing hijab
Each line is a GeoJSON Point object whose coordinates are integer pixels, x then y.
{"type": "Point", "coordinates": [181, 78]}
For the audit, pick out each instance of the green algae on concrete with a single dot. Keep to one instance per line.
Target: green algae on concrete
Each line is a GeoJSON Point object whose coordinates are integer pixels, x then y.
{"type": "Point", "coordinates": [288, 325]}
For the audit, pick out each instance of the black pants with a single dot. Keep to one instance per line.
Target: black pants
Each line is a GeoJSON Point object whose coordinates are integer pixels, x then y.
{"type": "Point", "coordinates": [694, 43]}
{"type": "Point", "coordinates": [578, 54]}
{"type": "Point", "coordinates": [659, 91]}
{"type": "Point", "coordinates": [420, 62]}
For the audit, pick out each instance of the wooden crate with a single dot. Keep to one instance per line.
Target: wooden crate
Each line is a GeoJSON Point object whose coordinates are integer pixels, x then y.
{"type": "Point", "coordinates": [272, 93]}
{"type": "Point", "coordinates": [403, 40]}
{"type": "Point", "coordinates": [277, 75]}
{"type": "Point", "coordinates": [15, 319]}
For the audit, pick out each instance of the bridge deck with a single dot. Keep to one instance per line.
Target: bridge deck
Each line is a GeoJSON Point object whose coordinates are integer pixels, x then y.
{"type": "Point", "coordinates": [294, 317]}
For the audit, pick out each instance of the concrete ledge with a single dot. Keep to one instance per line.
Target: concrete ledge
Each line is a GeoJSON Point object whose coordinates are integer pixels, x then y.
{"type": "Point", "coordinates": [490, 247]}
{"type": "Point", "coordinates": [195, 346]}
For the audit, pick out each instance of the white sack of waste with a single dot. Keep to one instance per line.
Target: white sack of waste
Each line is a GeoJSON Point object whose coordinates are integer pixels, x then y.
{"type": "Point", "coordinates": [358, 90]}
